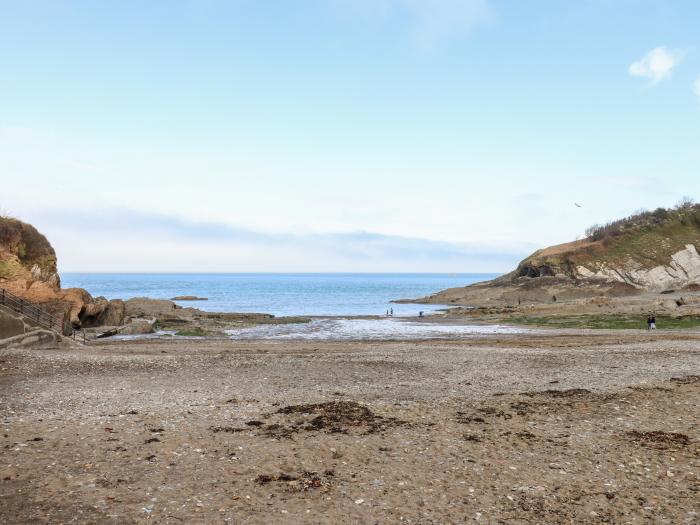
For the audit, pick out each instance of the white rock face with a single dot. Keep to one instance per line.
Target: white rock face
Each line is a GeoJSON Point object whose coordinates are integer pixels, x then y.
{"type": "Point", "coordinates": [683, 269]}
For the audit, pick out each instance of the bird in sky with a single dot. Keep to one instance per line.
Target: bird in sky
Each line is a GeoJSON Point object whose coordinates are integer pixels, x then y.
{"type": "Point", "coordinates": [577, 205]}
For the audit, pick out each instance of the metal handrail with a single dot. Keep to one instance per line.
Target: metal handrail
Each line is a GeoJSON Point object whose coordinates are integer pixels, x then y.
{"type": "Point", "coordinates": [32, 312]}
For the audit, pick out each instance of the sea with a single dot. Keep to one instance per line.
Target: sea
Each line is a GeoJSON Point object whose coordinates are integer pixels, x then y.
{"type": "Point", "coordinates": [280, 294]}
{"type": "Point", "coordinates": [335, 299]}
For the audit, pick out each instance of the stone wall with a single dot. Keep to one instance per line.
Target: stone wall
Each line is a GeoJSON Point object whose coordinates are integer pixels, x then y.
{"type": "Point", "coordinates": [36, 338]}
{"type": "Point", "coordinates": [12, 324]}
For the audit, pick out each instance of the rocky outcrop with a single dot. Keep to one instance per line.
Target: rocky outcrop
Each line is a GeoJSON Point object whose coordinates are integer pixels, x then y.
{"type": "Point", "coordinates": [27, 261]}
{"type": "Point", "coordinates": [157, 308]}
{"type": "Point", "coordinates": [28, 269]}
{"type": "Point", "coordinates": [138, 327]}
{"type": "Point", "coordinates": [133, 327]}
{"type": "Point", "coordinates": [101, 312]}
{"type": "Point", "coordinates": [683, 270]}
{"type": "Point", "coordinates": [649, 252]}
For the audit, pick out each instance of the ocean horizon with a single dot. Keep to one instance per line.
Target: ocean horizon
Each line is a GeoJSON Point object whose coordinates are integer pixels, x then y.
{"type": "Point", "coordinates": [280, 294]}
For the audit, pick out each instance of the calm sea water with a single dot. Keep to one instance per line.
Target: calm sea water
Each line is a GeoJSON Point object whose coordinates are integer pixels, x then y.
{"type": "Point", "coordinates": [281, 293]}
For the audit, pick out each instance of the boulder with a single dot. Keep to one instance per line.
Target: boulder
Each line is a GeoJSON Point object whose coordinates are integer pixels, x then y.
{"type": "Point", "coordinates": [133, 327]}
{"type": "Point", "coordinates": [102, 312]}
{"type": "Point", "coordinates": [160, 309]}
{"type": "Point", "coordinates": [137, 327]}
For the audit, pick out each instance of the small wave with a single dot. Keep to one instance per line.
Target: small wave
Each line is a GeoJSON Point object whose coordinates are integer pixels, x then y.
{"type": "Point", "coordinates": [364, 329]}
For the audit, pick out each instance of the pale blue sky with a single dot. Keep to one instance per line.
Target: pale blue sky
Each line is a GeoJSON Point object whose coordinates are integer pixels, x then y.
{"type": "Point", "coordinates": [341, 135]}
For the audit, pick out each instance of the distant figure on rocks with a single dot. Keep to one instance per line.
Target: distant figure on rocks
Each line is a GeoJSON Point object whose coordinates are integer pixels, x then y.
{"type": "Point", "coordinates": [554, 298]}
{"type": "Point", "coordinates": [651, 322]}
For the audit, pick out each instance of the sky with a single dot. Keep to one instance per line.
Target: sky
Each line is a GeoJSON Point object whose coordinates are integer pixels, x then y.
{"type": "Point", "coordinates": [341, 135]}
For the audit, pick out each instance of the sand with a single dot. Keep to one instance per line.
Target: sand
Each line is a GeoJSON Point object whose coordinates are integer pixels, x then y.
{"type": "Point", "coordinates": [556, 427]}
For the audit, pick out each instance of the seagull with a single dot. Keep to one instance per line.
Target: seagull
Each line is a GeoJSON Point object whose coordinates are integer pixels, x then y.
{"type": "Point", "coordinates": [577, 205]}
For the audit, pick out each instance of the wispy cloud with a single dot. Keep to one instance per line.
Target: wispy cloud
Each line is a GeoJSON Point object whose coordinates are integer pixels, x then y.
{"type": "Point", "coordinates": [432, 20]}
{"type": "Point", "coordinates": [342, 250]}
{"type": "Point", "coordinates": [441, 18]}
{"type": "Point", "coordinates": [657, 64]}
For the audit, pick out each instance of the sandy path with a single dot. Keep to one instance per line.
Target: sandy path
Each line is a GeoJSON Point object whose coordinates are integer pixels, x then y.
{"type": "Point", "coordinates": [419, 432]}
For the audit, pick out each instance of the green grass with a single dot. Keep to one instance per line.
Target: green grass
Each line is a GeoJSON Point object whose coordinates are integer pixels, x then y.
{"type": "Point", "coordinates": [645, 238]}
{"type": "Point", "coordinates": [618, 322]}
{"type": "Point", "coordinates": [194, 332]}
{"type": "Point", "coordinates": [285, 320]}
{"type": "Point", "coordinates": [655, 245]}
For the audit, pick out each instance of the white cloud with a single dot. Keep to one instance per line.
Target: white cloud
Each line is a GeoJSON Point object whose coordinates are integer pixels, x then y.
{"type": "Point", "coordinates": [696, 87]}
{"type": "Point", "coordinates": [657, 64]}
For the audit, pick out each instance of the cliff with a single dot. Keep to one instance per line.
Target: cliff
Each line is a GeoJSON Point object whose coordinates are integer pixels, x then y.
{"type": "Point", "coordinates": [646, 252]}
{"type": "Point", "coordinates": [28, 269]}
{"type": "Point", "coordinates": [27, 256]}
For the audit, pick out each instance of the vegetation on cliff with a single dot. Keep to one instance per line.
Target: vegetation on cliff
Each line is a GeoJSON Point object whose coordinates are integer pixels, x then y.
{"type": "Point", "coordinates": [23, 248]}
{"type": "Point", "coordinates": [647, 239]}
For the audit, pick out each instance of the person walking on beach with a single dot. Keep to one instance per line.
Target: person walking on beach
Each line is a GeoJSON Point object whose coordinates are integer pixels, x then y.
{"type": "Point", "coordinates": [651, 322]}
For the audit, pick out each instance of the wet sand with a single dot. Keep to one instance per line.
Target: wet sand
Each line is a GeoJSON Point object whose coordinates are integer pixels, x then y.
{"type": "Point", "coordinates": [552, 427]}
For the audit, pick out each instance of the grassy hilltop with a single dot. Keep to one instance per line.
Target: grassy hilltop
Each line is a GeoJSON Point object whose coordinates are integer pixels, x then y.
{"type": "Point", "coordinates": [645, 240]}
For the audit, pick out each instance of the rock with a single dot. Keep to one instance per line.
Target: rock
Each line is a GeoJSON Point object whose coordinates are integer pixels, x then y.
{"type": "Point", "coordinates": [682, 270]}
{"type": "Point", "coordinates": [107, 333]}
{"type": "Point", "coordinates": [189, 298]}
{"type": "Point", "coordinates": [137, 327]}
{"type": "Point", "coordinates": [133, 327]}
{"type": "Point", "coordinates": [101, 312]}
{"type": "Point", "coordinates": [158, 308]}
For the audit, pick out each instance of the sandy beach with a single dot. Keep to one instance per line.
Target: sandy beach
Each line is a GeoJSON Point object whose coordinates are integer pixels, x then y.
{"type": "Point", "coordinates": [552, 427]}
